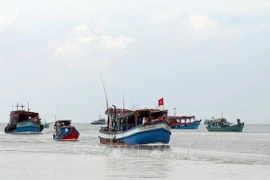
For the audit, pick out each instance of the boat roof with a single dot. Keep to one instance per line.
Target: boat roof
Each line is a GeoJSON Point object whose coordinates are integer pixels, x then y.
{"type": "Point", "coordinates": [23, 112]}
{"type": "Point", "coordinates": [143, 112]}
{"type": "Point", "coordinates": [65, 120]}
{"type": "Point", "coordinates": [181, 117]}
{"type": "Point", "coordinates": [117, 110]}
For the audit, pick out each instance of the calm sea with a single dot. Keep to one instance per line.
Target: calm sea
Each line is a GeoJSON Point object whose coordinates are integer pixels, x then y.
{"type": "Point", "coordinates": [191, 154]}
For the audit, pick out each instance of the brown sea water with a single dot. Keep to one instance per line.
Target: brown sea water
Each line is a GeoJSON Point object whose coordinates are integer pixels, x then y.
{"type": "Point", "coordinates": [191, 154]}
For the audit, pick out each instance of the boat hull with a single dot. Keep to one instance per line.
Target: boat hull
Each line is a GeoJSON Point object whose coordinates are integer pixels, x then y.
{"type": "Point", "coordinates": [143, 134]}
{"type": "Point", "coordinates": [97, 123]}
{"type": "Point", "coordinates": [232, 128]}
{"type": "Point", "coordinates": [47, 125]}
{"type": "Point", "coordinates": [192, 125]}
{"type": "Point", "coordinates": [67, 134]}
{"type": "Point", "coordinates": [27, 127]}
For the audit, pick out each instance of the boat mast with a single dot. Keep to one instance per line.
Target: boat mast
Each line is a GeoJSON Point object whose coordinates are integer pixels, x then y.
{"type": "Point", "coordinates": [56, 115]}
{"type": "Point", "coordinates": [107, 102]}
{"type": "Point", "coordinates": [22, 106]}
{"type": "Point", "coordinates": [28, 106]}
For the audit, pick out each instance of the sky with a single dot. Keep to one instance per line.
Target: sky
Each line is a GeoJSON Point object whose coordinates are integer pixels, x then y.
{"type": "Point", "coordinates": [204, 58]}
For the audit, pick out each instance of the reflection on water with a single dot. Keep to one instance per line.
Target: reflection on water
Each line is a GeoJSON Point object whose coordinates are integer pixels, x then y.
{"type": "Point", "coordinates": [139, 168]}
{"type": "Point", "coordinates": [210, 155]}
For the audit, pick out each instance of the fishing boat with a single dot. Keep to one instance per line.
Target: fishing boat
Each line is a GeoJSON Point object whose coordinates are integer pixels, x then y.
{"type": "Point", "coordinates": [143, 126]}
{"type": "Point", "coordinates": [64, 130]}
{"type": "Point", "coordinates": [100, 121]}
{"type": "Point", "coordinates": [221, 124]}
{"type": "Point", "coordinates": [183, 122]}
{"type": "Point", "coordinates": [22, 121]}
{"type": "Point", "coordinates": [47, 125]}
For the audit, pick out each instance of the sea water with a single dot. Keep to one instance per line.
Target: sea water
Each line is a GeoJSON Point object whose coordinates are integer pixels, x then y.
{"type": "Point", "coordinates": [191, 154]}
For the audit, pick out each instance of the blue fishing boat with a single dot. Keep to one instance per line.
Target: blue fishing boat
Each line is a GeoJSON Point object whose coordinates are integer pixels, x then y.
{"type": "Point", "coordinates": [144, 126]}
{"type": "Point", "coordinates": [22, 121]}
{"type": "Point", "coordinates": [184, 122]}
{"type": "Point", "coordinates": [64, 131]}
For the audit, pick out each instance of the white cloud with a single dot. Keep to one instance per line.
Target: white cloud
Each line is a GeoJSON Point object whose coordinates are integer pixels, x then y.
{"type": "Point", "coordinates": [201, 22]}
{"type": "Point", "coordinates": [86, 47]}
{"type": "Point", "coordinates": [164, 15]}
{"type": "Point", "coordinates": [6, 20]}
{"type": "Point", "coordinates": [202, 26]}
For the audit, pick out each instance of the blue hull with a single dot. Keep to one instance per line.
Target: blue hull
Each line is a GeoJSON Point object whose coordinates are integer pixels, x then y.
{"type": "Point", "coordinates": [136, 136]}
{"type": "Point", "coordinates": [26, 129]}
{"type": "Point", "coordinates": [159, 135]}
{"type": "Point", "coordinates": [70, 134]}
{"type": "Point", "coordinates": [194, 125]}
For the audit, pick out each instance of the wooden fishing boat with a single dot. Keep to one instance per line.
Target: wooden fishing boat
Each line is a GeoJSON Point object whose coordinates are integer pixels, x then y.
{"type": "Point", "coordinates": [100, 121]}
{"type": "Point", "coordinates": [141, 126]}
{"type": "Point", "coordinates": [22, 121]}
{"type": "Point", "coordinates": [183, 122]}
{"type": "Point", "coordinates": [221, 124]}
{"type": "Point", "coordinates": [64, 131]}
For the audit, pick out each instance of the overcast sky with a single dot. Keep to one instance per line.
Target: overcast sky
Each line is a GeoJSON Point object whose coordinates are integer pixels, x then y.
{"type": "Point", "coordinates": [203, 58]}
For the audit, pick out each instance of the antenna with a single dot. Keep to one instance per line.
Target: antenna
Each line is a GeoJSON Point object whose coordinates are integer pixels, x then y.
{"type": "Point", "coordinates": [105, 92]}
{"type": "Point", "coordinates": [22, 106]}
{"type": "Point", "coordinates": [17, 106]}
{"type": "Point", "coordinates": [28, 106]}
{"type": "Point", "coordinates": [135, 106]}
{"type": "Point", "coordinates": [56, 115]}
{"type": "Point", "coordinates": [174, 111]}
{"type": "Point", "coordinates": [123, 104]}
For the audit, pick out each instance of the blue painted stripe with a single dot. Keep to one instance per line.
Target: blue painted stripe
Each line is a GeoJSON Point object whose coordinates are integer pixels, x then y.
{"type": "Point", "coordinates": [64, 133]}
{"type": "Point", "coordinates": [133, 128]}
{"type": "Point", "coordinates": [26, 129]}
{"type": "Point", "coordinates": [194, 125]}
{"type": "Point", "coordinates": [146, 137]}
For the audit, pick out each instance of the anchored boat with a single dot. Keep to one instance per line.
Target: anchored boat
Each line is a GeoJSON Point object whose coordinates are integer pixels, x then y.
{"type": "Point", "coordinates": [99, 121]}
{"type": "Point", "coordinates": [64, 131]}
{"type": "Point", "coordinates": [221, 124]}
{"type": "Point", "coordinates": [22, 121]}
{"type": "Point", "coordinates": [144, 126]}
{"type": "Point", "coordinates": [184, 122]}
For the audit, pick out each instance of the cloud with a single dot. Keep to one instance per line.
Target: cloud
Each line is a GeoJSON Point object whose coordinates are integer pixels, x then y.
{"type": "Point", "coordinates": [6, 20]}
{"type": "Point", "coordinates": [164, 15]}
{"type": "Point", "coordinates": [85, 46]}
{"type": "Point", "coordinates": [198, 22]}
{"type": "Point", "coordinates": [202, 26]}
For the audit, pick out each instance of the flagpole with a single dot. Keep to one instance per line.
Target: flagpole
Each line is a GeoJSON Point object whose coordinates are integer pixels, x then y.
{"type": "Point", "coordinates": [163, 104]}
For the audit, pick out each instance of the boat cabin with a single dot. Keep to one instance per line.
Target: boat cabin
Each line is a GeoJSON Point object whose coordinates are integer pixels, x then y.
{"type": "Point", "coordinates": [181, 119]}
{"type": "Point", "coordinates": [23, 116]}
{"type": "Point", "coordinates": [62, 123]}
{"type": "Point", "coordinates": [122, 120]}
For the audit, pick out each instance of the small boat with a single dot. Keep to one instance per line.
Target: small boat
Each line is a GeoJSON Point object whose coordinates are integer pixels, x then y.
{"type": "Point", "coordinates": [184, 122]}
{"type": "Point", "coordinates": [221, 124]}
{"type": "Point", "coordinates": [22, 121]}
{"type": "Point", "coordinates": [64, 131]}
{"type": "Point", "coordinates": [143, 126]}
{"type": "Point", "coordinates": [47, 125]}
{"type": "Point", "coordinates": [99, 121]}
{"type": "Point", "coordinates": [206, 121]}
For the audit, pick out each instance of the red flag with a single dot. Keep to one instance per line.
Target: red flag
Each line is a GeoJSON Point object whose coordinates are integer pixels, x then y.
{"type": "Point", "coordinates": [160, 102]}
